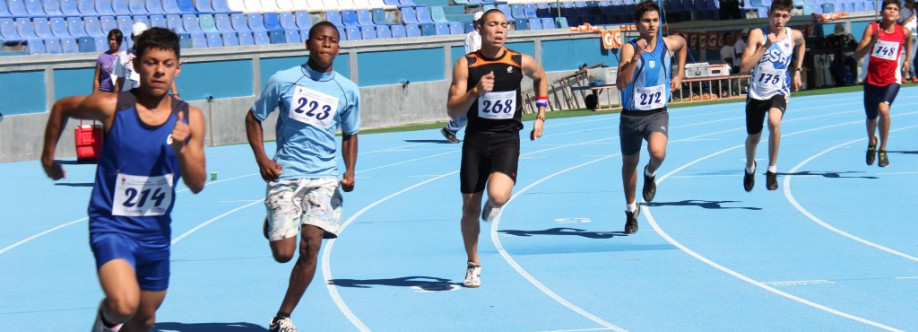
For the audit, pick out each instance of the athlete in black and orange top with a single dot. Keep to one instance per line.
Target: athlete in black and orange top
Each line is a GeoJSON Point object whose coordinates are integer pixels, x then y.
{"type": "Point", "coordinates": [486, 88]}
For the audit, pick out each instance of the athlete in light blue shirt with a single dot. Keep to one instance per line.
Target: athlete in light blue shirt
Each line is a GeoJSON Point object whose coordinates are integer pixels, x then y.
{"type": "Point", "coordinates": [302, 195]}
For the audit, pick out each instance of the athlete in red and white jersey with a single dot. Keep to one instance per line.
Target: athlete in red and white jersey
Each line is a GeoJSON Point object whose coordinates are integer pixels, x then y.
{"type": "Point", "coordinates": [885, 41]}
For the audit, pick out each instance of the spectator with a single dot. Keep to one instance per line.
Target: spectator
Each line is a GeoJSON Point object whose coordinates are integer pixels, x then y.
{"type": "Point", "coordinates": [738, 47]}
{"type": "Point", "coordinates": [727, 52]}
{"type": "Point", "coordinates": [843, 67]}
{"type": "Point", "coordinates": [103, 80]}
{"type": "Point", "coordinates": [730, 9]}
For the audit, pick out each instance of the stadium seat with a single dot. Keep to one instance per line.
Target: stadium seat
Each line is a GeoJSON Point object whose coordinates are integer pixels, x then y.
{"type": "Point", "coordinates": [303, 20]}
{"type": "Point", "coordinates": [261, 37]}
{"type": "Point", "coordinates": [53, 7]}
{"type": "Point", "coordinates": [93, 27]}
{"type": "Point", "coordinates": [5, 11]}
{"type": "Point", "coordinates": [272, 22]}
{"type": "Point", "coordinates": [349, 18]}
{"type": "Point", "coordinates": [136, 6]}
{"type": "Point", "coordinates": [437, 15]}
{"type": "Point", "coordinates": [255, 23]}
{"type": "Point", "coordinates": [208, 25]}
{"type": "Point", "coordinates": [468, 27]}
{"type": "Point", "coordinates": [277, 36]}
{"type": "Point", "coordinates": [423, 13]}
{"type": "Point", "coordinates": [101, 43]}
{"type": "Point", "coordinates": [548, 23]}
{"type": "Point", "coordinates": [143, 19]}
{"type": "Point", "coordinates": [76, 27]}
{"type": "Point", "coordinates": [154, 7]}
{"type": "Point", "coordinates": [214, 39]}
{"type": "Point", "coordinates": [342, 36]}
{"type": "Point", "coordinates": [521, 24]}
{"type": "Point", "coordinates": [87, 44]}
{"type": "Point", "coordinates": [186, 7]}
{"type": "Point", "coordinates": [69, 45]}
{"type": "Point", "coordinates": [17, 8]}
{"type": "Point", "coordinates": [390, 2]}
{"type": "Point", "coordinates": [158, 21]}
{"type": "Point", "coordinates": [364, 18]}
{"type": "Point", "coordinates": [104, 7]}
{"type": "Point", "coordinates": [239, 24]}
{"type": "Point", "coordinates": [507, 12]}
{"type": "Point", "coordinates": [412, 30]}
{"type": "Point", "coordinates": [57, 25]}
{"type": "Point", "coordinates": [191, 25]}
{"type": "Point", "coordinates": [222, 6]}
{"type": "Point", "coordinates": [428, 29]}
{"type": "Point", "coordinates": [120, 7]}
{"type": "Point", "coordinates": [26, 30]}
{"type": "Point", "coordinates": [287, 21]}
{"type": "Point", "coordinates": [292, 36]}
{"type": "Point", "coordinates": [406, 3]}
{"type": "Point", "coordinates": [529, 10]}
{"type": "Point", "coordinates": [535, 24]}
{"type": "Point", "coordinates": [245, 38]}
{"type": "Point", "coordinates": [198, 40]}
{"type": "Point", "coordinates": [42, 27]}
{"type": "Point", "coordinates": [409, 16]}
{"type": "Point", "coordinates": [441, 28]}
{"type": "Point", "coordinates": [53, 46]}
{"type": "Point", "coordinates": [368, 32]}
{"type": "Point", "coordinates": [223, 24]}
{"type": "Point", "coordinates": [171, 7]}
{"type": "Point", "coordinates": [379, 16]}
{"type": "Point", "coordinates": [383, 31]}
{"type": "Point", "coordinates": [398, 31]}
{"type": "Point", "coordinates": [334, 17]}
{"type": "Point", "coordinates": [34, 8]}
{"type": "Point", "coordinates": [36, 46]}
{"type": "Point", "coordinates": [108, 23]}
{"type": "Point", "coordinates": [517, 11]}
{"type": "Point", "coordinates": [455, 28]}
{"type": "Point", "coordinates": [353, 33]}
{"type": "Point", "coordinates": [230, 39]}
{"type": "Point", "coordinates": [561, 22]}
{"type": "Point", "coordinates": [174, 23]}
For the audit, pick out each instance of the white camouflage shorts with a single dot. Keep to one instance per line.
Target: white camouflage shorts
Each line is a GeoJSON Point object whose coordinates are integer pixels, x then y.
{"type": "Point", "coordinates": [294, 202]}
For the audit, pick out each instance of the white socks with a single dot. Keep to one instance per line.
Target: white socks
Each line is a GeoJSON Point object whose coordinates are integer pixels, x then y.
{"type": "Point", "coordinates": [632, 207]}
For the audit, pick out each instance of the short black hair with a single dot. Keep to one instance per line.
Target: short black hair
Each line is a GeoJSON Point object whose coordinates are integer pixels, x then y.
{"type": "Point", "coordinates": [643, 7]}
{"type": "Point", "coordinates": [159, 38]}
{"type": "Point", "coordinates": [887, 2]}
{"type": "Point", "coordinates": [481, 21]}
{"type": "Point", "coordinates": [315, 27]}
{"type": "Point", "coordinates": [117, 34]}
{"type": "Point", "coordinates": [786, 5]}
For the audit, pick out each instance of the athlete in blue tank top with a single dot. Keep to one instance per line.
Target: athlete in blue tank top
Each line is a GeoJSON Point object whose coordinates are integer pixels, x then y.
{"type": "Point", "coordinates": [302, 178]}
{"type": "Point", "coordinates": [646, 79]}
{"type": "Point", "coordinates": [152, 140]}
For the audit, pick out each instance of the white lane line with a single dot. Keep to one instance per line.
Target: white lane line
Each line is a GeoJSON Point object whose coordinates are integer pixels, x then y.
{"type": "Point", "coordinates": [653, 223]}
{"type": "Point", "coordinates": [820, 222]}
{"type": "Point", "coordinates": [208, 222]}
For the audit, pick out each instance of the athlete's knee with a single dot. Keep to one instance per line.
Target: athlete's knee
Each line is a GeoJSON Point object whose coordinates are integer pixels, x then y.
{"type": "Point", "coordinates": [120, 308]}
{"type": "Point", "coordinates": [282, 253]}
{"type": "Point", "coordinates": [311, 242]}
{"type": "Point", "coordinates": [630, 161]}
{"type": "Point", "coordinates": [470, 209]}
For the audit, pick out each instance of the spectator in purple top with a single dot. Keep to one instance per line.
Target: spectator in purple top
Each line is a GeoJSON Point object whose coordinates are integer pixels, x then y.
{"type": "Point", "coordinates": [102, 80]}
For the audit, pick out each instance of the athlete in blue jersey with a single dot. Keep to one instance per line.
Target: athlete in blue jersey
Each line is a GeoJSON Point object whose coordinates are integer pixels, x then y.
{"type": "Point", "coordinates": [302, 196]}
{"type": "Point", "coordinates": [768, 54]}
{"type": "Point", "coordinates": [152, 140]}
{"type": "Point", "coordinates": [646, 80]}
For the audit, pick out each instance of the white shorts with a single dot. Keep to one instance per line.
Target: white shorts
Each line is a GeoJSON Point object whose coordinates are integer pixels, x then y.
{"type": "Point", "coordinates": [294, 202]}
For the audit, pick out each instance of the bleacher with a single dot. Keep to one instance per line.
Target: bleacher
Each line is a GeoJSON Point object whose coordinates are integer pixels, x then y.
{"type": "Point", "coordinates": [75, 26]}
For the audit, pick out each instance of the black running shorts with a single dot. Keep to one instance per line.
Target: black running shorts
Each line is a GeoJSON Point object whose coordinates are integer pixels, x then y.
{"type": "Point", "coordinates": [636, 126]}
{"type": "Point", "coordinates": [484, 153]}
{"type": "Point", "coordinates": [874, 95]}
{"type": "Point", "coordinates": [756, 109]}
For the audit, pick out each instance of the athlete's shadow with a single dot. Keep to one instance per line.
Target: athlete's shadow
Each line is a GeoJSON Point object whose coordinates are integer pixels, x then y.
{"type": "Point", "coordinates": [830, 175]}
{"type": "Point", "coordinates": [75, 162]}
{"type": "Point", "coordinates": [566, 231]}
{"type": "Point", "coordinates": [207, 327]}
{"type": "Point", "coordinates": [703, 203]}
{"type": "Point", "coordinates": [439, 141]}
{"type": "Point", "coordinates": [903, 152]}
{"type": "Point", "coordinates": [432, 284]}
{"type": "Point", "coordinates": [85, 184]}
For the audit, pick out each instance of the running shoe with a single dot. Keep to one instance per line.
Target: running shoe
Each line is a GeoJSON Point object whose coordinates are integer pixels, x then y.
{"type": "Point", "coordinates": [281, 325]}
{"type": "Point", "coordinates": [749, 178]}
{"type": "Point", "coordinates": [771, 180]}
{"type": "Point", "coordinates": [472, 276]}
{"type": "Point", "coordinates": [631, 225]}
{"type": "Point", "coordinates": [489, 212]}
{"type": "Point", "coordinates": [449, 136]}
{"type": "Point", "coordinates": [98, 326]}
{"type": "Point", "coordinates": [871, 153]}
{"type": "Point", "coordinates": [650, 186]}
{"type": "Point", "coordinates": [264, 229]}
{"type": "Point", "coordinates": [884, 160]}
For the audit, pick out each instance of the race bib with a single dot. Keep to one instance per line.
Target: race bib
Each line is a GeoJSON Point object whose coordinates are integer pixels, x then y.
{"type": "Point", "coordinates": [885, 50]}
{"type": "Point", "coordinates": [142, 196]}
{"type": "Point", "coordinates": [769, 78]}
{"type": "Point", "coordinates": [649, 98]}
{"type": "Point", "coordinates": [313, 107]}
{"type": "Point", "coordinates": [497, 105]}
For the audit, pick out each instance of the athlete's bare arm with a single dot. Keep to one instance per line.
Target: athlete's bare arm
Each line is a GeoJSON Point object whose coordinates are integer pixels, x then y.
{"type": "Point", "coordinates": [866, 45]}
{"type": "Point", "coordinates": [755, 48]}
{"type": "Point", "coordinates": [533, 70]}
{"type": "Point", "coordinates": [269, 169]}
{"type": "Point", "coordinates": [676, 44]}
{"type": "Point", "coordinates": [98, 106]}
{"type": "Point", "coordinates": [349, 153]}
{"type": "Point", "coordinates": [191, 154]}
{"type": "Point", "coordinates": [460, 96]}
{"type": "Point", "coordinates": [627, 65]}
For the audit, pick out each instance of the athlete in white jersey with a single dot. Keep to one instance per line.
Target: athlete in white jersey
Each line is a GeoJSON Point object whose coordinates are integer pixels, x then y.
{"type": "Point", "coordinates": [768, 55]}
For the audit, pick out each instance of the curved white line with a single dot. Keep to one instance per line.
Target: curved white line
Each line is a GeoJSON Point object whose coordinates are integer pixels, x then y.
{"type": "Point", "coordinates": [208, 222]}
{"type": "Point", "coordinates": [738, 275]}
{"type": "Point", "coordinates": [790, 198]}
{"type": "Point", "coordinates": [14, 245]}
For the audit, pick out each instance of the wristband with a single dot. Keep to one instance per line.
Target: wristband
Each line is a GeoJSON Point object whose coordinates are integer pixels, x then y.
{"type": "Point", "coordinates": [475, 90]}
{"type": "Point", "coordinates": [542, 102]}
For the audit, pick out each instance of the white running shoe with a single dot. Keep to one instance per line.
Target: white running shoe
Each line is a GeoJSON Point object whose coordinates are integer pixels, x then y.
{"type": "Point", "coordinates": [282, 325]}
{"type": "Point", "coordinates": [489, 212]}
{"type": "Point", "coordinates": [100, 327]}
{"type": "Point", "coordinates": [472, 276]}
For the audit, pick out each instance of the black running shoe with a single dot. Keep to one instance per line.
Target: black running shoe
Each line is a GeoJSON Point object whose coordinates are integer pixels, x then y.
{"type": "Point", "coordinates": [449, 136]}
{"type": "Point", "coordinates": [631, 225]}
{"type": "Point", "coordinates": [650, 186]}
{"type": "Point", "coordinates": [771, 180]}
{"type": "Point", "coordinates": [871, 153]}
{"type": "Point", "coordinates": [884, 160]}
{"type": "Point", "coordinates": [749, 178]}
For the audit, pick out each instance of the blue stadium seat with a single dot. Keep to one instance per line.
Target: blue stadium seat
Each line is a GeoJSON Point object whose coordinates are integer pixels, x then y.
{"type": "Point", "coordinates": [76, 27]}
{"type": "Point", "coordinates": [214, 39]}
{"type": "Point", "coordinates": [529, 10]}
{"type": "Point", "coordinates": [52, 7]}
{"type": "Point", "coordinates": [428, 29]}
{"type": "Point", "coordinates": [138, 7]}
{"type": "Point", "coordinates": [184, 41]}
{"type": "Point", "coordinates": [43, 27]}
{"type": "Point", "coordinates": [86, 7]}
{"type": "Point", "coordinates": [383, 31]}
{"type": "Point", "coordinates": [86, 44]}
{"type": "Point", "coordinates": [108, 23]}
{"type": "Point", "coordinates": [230, 39]}
{"type": "Point", "coordinates": [101, 43]}
{"type": "Point", "coordinates": [561, 22]}
{"type": "Point", "coordinates": [548, 23]}
{"type": "Point", "coordinates": [272, 22]}
{"type": "Point", "coordinates": [93, 27]}
{"type": "Point", "coordinates": [398, 31]}
{"type": "Point", "coordinates": [34, 8]}
{"type": "Point", "coordinates": [423, 14]}
{"type": "Point", "coordinates": [303, 21]}
{"type": "Point", "coordinates": [441, 28]}
{"type": "Point", "coordinates": [517, 11]}
{"type": "Point", "coordinates": [222, 20]}
{"type": "Point", "coordinates": [437, 14]}
{"type": "Point", "coordinates": [239, 24]}
{"type": "Point", "coordinates": [535, 24]}
{"type": "Point", "coordinates": [208, 25]}
{"type": "Point", "coordinates": [4, 10]}
{"type": "Point", "coordinates": [255, 23]}
{"type": "Point", "coordinates": [36, 46]}
{"type": "Point", "coordinates": [292, 36]}
{"type": "Point", "coordinates": [104, 7]}
{"type": "Point", "coordinates": [379, 16]}
{"type": "Point", "coordinates": [507, 11]}
{"type": "Point", "coordinates": [120, 7]}
{"type": "Point", "coordinates": [187, 7]}
{"type": "Point", "coordinates": [191, 25]}
{"type": "Point", "coordinates": [335, 18]}
{"type": "Point", "coordinates": [406, 3]}
{"type": "Point", "coordinates": [245, 38]}
{"type": "Point", "coordinates": [304, 34]}
{"type": "Point", "coordinates": [53, 46]}
{"type": "Point", "coordinates": [521, 24]}
{"type": "Point", "coordinates": [204, 6]}
{"type": "Point", "coordinates": [277, 36]}
{"type": "Point", "coordinates": [287, 21]}
{"type": "Point", "coordinates": [455, 28]}
{"type": "Point", "coordinates": [412, 30]}
{"type": "Point", "coordinates": [198, 40]}
{"type": "Point", "coordinates": [409, 16]}
{"type": "Point", "coordinates": [68, 7]}
{"type": "Point", "coordinates": [174, 23]}
{"type": "Point", "coordinates": [17, 8]}
{"type": "Point", "coordinates": [468, 27]}
{"type": "Point", "coordinates": [341, 34]}
{"type": "Point", "coordinates": [390, 2]}
{"type": "Point", "coordinates": [261, 37]}
{"type": "Point", "coordinates": [349, 18]}
{"type": "Point", "coordinates": [25, 28]}
{"type": "Point", "coordinates": [171, 7]}
{"type": "Point", "coordinates": [58, 28]}
{"type": "Point", "coordinates": [69, 45]}
{"type": "Point", "coordinates": [368, 32]}
{"type": "Point", "coordinates": [158, 21]}
{"type": "Point", "coordinates": [220, 6]}
{"type": "Point", "coordinates": [364, 18]}
{"type": "Point", "coordinates": [353, 33]}
{"type": "Point", "coordinates": [154, 7]}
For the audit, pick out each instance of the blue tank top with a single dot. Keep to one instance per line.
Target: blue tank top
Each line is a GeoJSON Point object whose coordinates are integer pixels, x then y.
{"type": "Point", "coordinates": [649, 88]}
{"type": "Point", "coordinates": [137, 170]}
